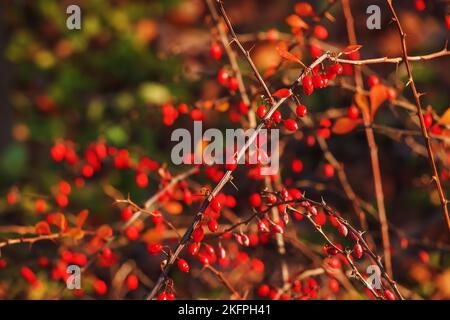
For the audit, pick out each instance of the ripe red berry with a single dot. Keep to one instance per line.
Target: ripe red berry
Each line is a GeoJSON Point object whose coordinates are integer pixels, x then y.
{"type": "Point", "coordinates": [353, 112]}
{"type": "Point", "coordinates": [40, 205]}
{"type": "Point", "coordinates": [132, 282]}
{"type": "Point", "coordinates": [276, 116]}
{"type": "Point", "coordinates": [307, 84]}
{"type": "Point", "coordinates": [132, 233]}
{"type": "Point", "coordinates": [338, 69]}
{"type": "Point", "coordinates": [290, 124]}
{"type": "Point", "coordinates": [58, 152]}
{"type": "Point", "coordinates": [301, 110]}
{"type": "Point", "coordinates": [64, 187]}
{"type": "Point", "coordinates": [391, 93]}
{"type": "Point", "coordinates": [223, 77]}
{"type": "Point", "coordinates": [141, 180]}
{"type": "Point", "coordinates": [183, 265]}
{"type": "Point", "coordinates": [215, 51]}
{"type": "Point", "coordinates": [162, 296]}
{"type": "Point", "coordinates": [428, 119]}
{"type": "Point", "coordinates": [198, 234]}
{"type": "Point", "coordinates": [263, 290]}
{"type": "Point", "coordinates": [255, 200]}
{"type": "Point", "coordinates": [126, 213]}
{"type": "Point", "coordinates": [357, 250]}
{"type": "Point", "coordinates": [424, 256]}
{"type": "Point", "coordinates": [297, 165]}
{"type": "Point", "coordinates": [342, 230]}
{"type": "Point", "coordinates": [100, 287]}
{"type": "Point", "coordinates": [389, 295]}
{"type": "Point", "coordinates": [320, 32]}
{"type": "Point", "coordinates": [328, 170]}
{"type": "Point", "coordinates": [213, 226]}
{"type": "Point", "coordinates": [333, 284]}
{"type": "Point", "coordinates": [194, 248]}
{"type": "Point", "coordinates": [196, 114]}
{"type": "Point", "coordinates": [372, 81]}
{"type": "Point", "coordinates": [233, 84]}
{"type": "Point", "coordinates": [154, 249]}
{"type": "Point", "coordinates": [420, 5]}
{"type": "Point", "coordinates": [29, 276]}
{"type": "Point", "coordinates": [317, 81]}
{"type": "Point", "coordinates": [215, 204]}
{"type": "Point", "coordinates": [261, 111]}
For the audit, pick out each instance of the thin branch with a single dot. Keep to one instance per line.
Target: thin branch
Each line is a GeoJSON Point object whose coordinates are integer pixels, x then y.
{"type": "Point", "coordinates": [425, 134]}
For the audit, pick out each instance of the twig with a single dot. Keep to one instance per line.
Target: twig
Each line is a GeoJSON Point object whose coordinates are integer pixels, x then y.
{"type": "Point", "coordinates": [425, 134]}
{"type": "Point", "coordinates": [372, 146]}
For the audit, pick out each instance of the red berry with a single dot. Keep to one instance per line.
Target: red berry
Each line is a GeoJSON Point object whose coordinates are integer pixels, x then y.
{"type": "Point", "coordinates": [87, 171]}
{"type": "Point", "coordinates": [320, 32]}
{"type": "Point", "coordinates": [307, 84]}
{"type": "Point", "coordinates": [255, 200]}
{"type": "Point", "coordinates": [301, 110]}
{"type": "Point", "coordinates": [263, 226]}
{"type": "Point", "coordinates": [141, 180]}
{"type": "Point", "coordinates": [213, 226]}
{"type": "Point", "coordinates": [342, 230]}
{"type": "Point", "coordinates": [132, 233]}
{"type": "Point", "coordinates": [391, 93]}
{"type": "Point", "coordinates": [64, 187]}
{"type": "Point", "coordinates": [338, 69]}
{"type": "Point", "coordinates": [424, 256]}
{"type": "Point", "coordinates": [215, 51]}
{"type": "Point", "coordinates": [231, 164]}
{"type": "Point", "coordinates": [276, 116]}
{"type": "Point", "coordinates": [372, 81]}
{"type": "Point", "coordinates": [215, 204]}
{"type": "Point", "coordinates": [194, 248]}
{"type": "Point", "coordinates": [261, 111]}
{"type": "Point", "coordinates": [263, 290]}
{"type": "Point", "coordinates": [233, 84]}
{"type": "Point", "coordinates": [328, 170]}
{"type": "Point", "coordinates": [100, 287]}
{"type": "Point", "coordinates": [389, 295]}
{"type": "Point", "coordinates": [290, 125]}
{"type": "Point", "coordinates": [353, 112]}
{"type": "Point", "coordinates": [297, 165]}
{"type": "Point", "coordinates": [317, 81]}
{"type": "Point", "coordinates": [126, 214]}
{"type": "Point", "coordinates": [132, 282]}
{"type": "Point", "coordinates": [183, 265]}
{"type": "Point", "coordinates": [222, 77]}
{"type": "Point", "coordinates": [40, 205]}
{"type": "Point", "coordinates": [333, 284]}
{"type": "Point", "coordinates": [198, 234]}
{"type": "Point", "coordinates": [357, 250]}
{"type": "Point", "coordinates": [420, 5]}
{"type": "Point", "coordinates": [154, 249]}
{"type": "Point", "coordinates": [162, 296]}
{"type": "Point", "coordinates": [29, 275]}
{"type": "Point", "coordinates": [58, 152]}
{"type": "Point", "coordinates": [428, 119]}
{"type": "Point", "coordinates": [196, 114]}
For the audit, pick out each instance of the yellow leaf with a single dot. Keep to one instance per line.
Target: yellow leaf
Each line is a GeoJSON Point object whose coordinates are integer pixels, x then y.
{"type": "Point", "coordinates": [378, 94]}
{"type": "Point", "coordinates": [344, 125]}
{"type": "Point", "coordinates": [294, 21]}
{"type": "Point", "coordinates": [76, 233]}
{"type": "Point", "coordinates": [223, 107]}
{"type": "Point", "coordinates": [445, 119]}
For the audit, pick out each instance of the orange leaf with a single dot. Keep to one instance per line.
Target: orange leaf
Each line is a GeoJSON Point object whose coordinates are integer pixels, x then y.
{"type": "Point", "coordinates": [445, 118]}
{"type": "Point", "coordinates": [42, 227]}
{"type": "Point", "coordinates": [104, 231]}
{"type": "Point", "coordinates": [76, 233]}
{"type": "Point", "coordinates": [351, 48]}
{"type": "Point", "coordinates": [304, 9]}
{"type": "Point", "coordinates": [362, 103]}
{"type": "Point", "coordinates": [344, 125]}
{"type": "Point", "coordinates": [81, 218]}
{"type": "Point", "coordinates": [294, 21]}
{"type": "Point", "coordinates": [173, 207]}
{"type": "Point", "coordinates": [282, 93]}
{"type": "Point", "coordinates": [378, 94]}
{"type": "Point", "coordinates": [152, 236]}
{"type": "Point", "coordinates": [59, 220]}
{"type": "Point", "coordinates": [288, 56]}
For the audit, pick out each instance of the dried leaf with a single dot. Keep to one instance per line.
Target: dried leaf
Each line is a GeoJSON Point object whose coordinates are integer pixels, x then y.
{"type": "Point", "coordinates": [445, 118]}
{"type": "Point", "coordinates": [351, 48]}
{"type": "Point", "coordinates": [344, 125]}
{"type": "Point", "coordinates": [104, 232]}
{"type": "Point", "coordinates": [59, 220]}
{"type": "Point", "coordinates": [378, 94]}
{"type": "Point", "coordinates": [223, 107]}
{"type": "Point", "coordinates": [152, 236]}
{"type": "Point", "coordinates": [173, 207]}
{"type": "Point", "coordinates": [282, 93]}
{"type": "Point", "coordinates": [294, 21]}
{"type": "Point", "coordinates": [81, 218]}
{"type": "Point", "coordinates": [362, 103]}
{"type": "Point", "coordinates": [42, 227]}
{"type": "Point", "coordinates": [304, 9]}
{"type": "Point", "coordinates": [288, 56]}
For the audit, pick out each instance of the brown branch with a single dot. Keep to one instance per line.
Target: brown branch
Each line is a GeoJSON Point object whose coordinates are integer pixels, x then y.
{"type": "Point", "coordinates": [372, 145]}
{"type": "Point", "coordinates": [425, 134]}
{"type": "Point", "coordinates": [224, 280]}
